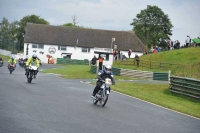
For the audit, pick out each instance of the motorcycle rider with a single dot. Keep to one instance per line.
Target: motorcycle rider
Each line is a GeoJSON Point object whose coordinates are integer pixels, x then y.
{"type": "Point", "coordinates": [12, 60]}
{"type": "Point", "coordinates": [39, 62]}
{"type": "Point", "coordinates": [1, 60]}
{"type": "Point", "coordinates": [102, 75]}
{"type": "Point", "coordinates": [31, 60]}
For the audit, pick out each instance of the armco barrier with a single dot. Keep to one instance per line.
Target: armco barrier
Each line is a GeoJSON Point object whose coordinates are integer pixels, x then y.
{"type": "Point", "coordinates": [160, 76]}
{"type": "Point", "coordinates": [72, 61]}
{"type": "Point", "coordinates": [185, 86]}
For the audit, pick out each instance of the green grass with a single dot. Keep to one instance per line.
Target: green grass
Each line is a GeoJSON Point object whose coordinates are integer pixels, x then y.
{"type": "Point", "coordinates": [159, 94]}
{"type": "Point", "coordinates": [77, 72]}
{"type": "Point", "coordinates": [187, 58]}
{"type": "Point", "coordinates": [4, 57]}
{"type": "Point", "coordinates": [179, 56]}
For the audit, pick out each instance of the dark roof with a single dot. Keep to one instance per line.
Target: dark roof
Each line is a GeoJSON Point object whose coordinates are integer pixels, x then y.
{"type": "Point", "coordinates": [61, 35]}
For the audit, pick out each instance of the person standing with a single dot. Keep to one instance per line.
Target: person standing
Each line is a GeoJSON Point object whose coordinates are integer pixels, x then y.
{"type": "Point", "coordinates": [100, 62]}
{"type": "Point", "coordinates": [187, 41]}
{"type": "Point", "coordinates": [94, 60]}
{"type": "Point", "coordinates": [137, 59]}
{"type": "Point", "coordinates": [129, 53]}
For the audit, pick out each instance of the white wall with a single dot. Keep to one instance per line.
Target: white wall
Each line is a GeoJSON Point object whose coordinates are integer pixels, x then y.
{"type": "Point", "coordinates": [76, 53]}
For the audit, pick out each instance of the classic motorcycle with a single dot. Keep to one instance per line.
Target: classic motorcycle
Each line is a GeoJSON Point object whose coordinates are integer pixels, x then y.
{"type": "Point", "coordinates": [11, 67]}
{"type": "Point", "coordinates": [103, 93]}
{"type": "Point", "coordinates": [32, 69]}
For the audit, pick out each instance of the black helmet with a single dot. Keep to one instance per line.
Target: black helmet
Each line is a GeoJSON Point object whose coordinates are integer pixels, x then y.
{"type": "Point", "coordinates": [107, 69]}
{"type": "Point", "coordinates": [34, 57]}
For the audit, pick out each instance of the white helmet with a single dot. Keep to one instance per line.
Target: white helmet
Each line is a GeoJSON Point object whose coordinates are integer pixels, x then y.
{"type": "Point", "coordinates": [34, 57]}
{"type": "Point", "coordinates": [107, 69]}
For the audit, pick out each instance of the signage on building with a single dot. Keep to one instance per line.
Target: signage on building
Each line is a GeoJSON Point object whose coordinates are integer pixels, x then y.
{"type": "Point", "coordinates": [27, 49]}
{"type": "Point", "coordinates": [52, 50]}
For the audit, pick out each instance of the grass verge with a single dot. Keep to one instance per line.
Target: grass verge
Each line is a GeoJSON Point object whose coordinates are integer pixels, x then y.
{"type": "Point", "coordinates": [4, 57]}
{"type": "Point", "coordinates": [77, 72]}
{"type": "Point", "coordinates": [159, 94]}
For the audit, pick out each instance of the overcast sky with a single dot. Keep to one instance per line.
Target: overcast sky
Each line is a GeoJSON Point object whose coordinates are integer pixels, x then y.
{"type": "Point", "coordinates": [107, 14]}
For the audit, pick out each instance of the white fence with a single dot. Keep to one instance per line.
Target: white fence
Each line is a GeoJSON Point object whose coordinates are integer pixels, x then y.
{"type": "Point", "coordinates": [5, 52]}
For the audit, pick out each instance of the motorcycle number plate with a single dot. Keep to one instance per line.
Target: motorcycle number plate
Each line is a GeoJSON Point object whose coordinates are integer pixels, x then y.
{"type": "Point", "coordinates": [107, 92]}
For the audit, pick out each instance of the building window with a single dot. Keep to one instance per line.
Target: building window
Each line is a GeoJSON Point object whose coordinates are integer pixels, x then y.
{"type": "Point", "coordinates": [34, 45]}
{"type": "Point", "coordinates": [86, 50]}
{"type": "Point", "coordinates": [63, 48]}
{"type": "Point", "coordinates": [105, 56]}
{"type": "Point", "coordinates": [39, 46]}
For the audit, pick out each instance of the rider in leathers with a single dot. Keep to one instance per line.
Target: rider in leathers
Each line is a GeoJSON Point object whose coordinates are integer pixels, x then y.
{"type": "Point", "coordinates": [102, 75]}
{"type": "Point", "coordinates": [12, 60]}
{"type": "Point", "coordinates": [29, 61]}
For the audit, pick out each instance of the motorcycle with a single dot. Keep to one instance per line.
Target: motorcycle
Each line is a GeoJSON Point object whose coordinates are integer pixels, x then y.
{"type": "Point", "coordinates": [103, 93]}
{"type": "Point", "coordinates": [32, 69]}
{"type": "Point", "coordinates": [21, 63]}
{"type": "Point", "coordinates": [11, 67]}
{"type": "Point", "coordinates": [1, 63]}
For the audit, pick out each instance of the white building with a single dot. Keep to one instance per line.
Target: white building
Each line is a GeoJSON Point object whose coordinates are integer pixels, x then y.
{"type": "Point", "coordinates": [78, 43]}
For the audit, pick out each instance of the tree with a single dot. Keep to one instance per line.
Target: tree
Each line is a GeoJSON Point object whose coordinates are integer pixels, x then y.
{"type": "Point", "coordinates": [8, 32]}
{"type": "Point", "coordinates": [69, 25]}
{"type": "Point", "coordinates": [23, 22]}
{"type": "Point", "coordinates": [151, 25]}
{"type": "Point", "coordinates": [74, 18]}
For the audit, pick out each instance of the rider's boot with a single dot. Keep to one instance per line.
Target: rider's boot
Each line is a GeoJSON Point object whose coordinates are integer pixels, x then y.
{"type": "Point", "coordinates": [34, 77]}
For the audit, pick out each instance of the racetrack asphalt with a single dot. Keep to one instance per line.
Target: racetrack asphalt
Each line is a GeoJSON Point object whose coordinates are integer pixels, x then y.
{"type": "Point", "coordinates": [51, 104]}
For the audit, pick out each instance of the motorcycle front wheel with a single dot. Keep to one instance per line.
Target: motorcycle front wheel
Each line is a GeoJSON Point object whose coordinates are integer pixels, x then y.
{"type": "Point", "coordinates": [29, 77]}
{"type": "Point", "coordinates": [95, 100]}
{"type": "Point", "coordinates": [104, 100]}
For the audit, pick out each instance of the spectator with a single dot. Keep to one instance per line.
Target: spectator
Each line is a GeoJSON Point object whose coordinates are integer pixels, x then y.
{"type": "Point", "coordinates": [187, 41]}
{"type": "Point", "coordinates": [172, 45]}
{"type": "Point", "coordinates": [118, 56]}
{"type": "Point", "coordinates": [100, 61]}
{"type": "Point", "coordinates": [177, 44]}
{"type": "Point", "coordinates": [94, 60]}
{"type": "Point", "coordinates": [154, 50]}
{"type": "Point", "coordinates": [190, 43]}
{"type": "Point", "coordinates": [158, 49]}
{"type": "Point", "coordinates": [137, 59]}
{"type": "Point", "coordinates": [151, 50]}
{"type": "Point", "coordinates": [129, 53]}
{"type": "Point", "coordinates": [145, 52]}
{"type": "Point", "coordinates": [121, 56]}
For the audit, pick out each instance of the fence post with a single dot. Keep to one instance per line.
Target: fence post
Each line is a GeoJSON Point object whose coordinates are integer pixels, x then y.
{"type": "Point", "coordinates": [150, 64]}
{"type": "Point", "coordinates": [169, 75]}
{"type": "Point", "coordinates": [98, 67]}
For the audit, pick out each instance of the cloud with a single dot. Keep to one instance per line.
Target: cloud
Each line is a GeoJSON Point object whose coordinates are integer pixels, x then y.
{"type": "Point", "coordinates": [106, 14]}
